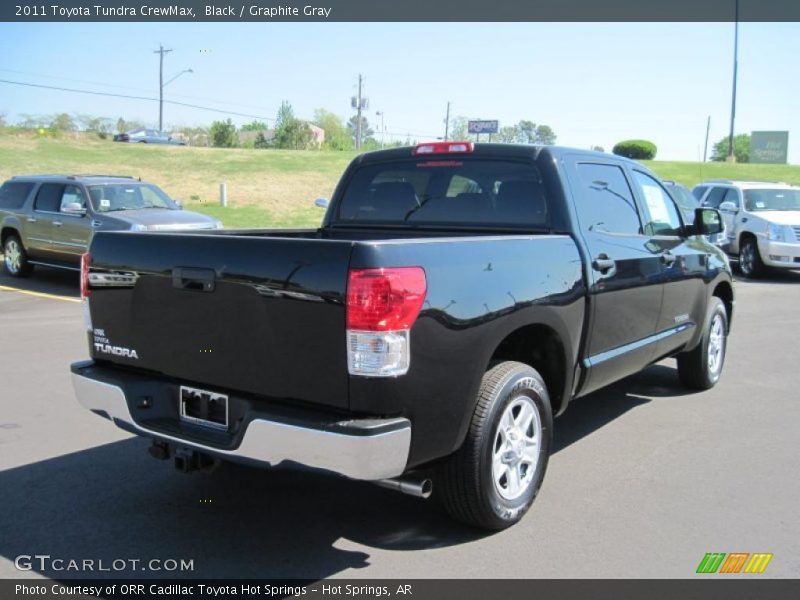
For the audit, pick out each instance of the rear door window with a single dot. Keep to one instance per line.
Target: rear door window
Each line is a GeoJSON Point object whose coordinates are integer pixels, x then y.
{"type": "Point", "coordinates": [446, 190]}
{"type": "Point", "coordinates": [48, 198]}
{"type": "Point", "coordinates": [605, 201]}
{"type": "Point", "coordinates": [715, 196]}
{"type": "Point", "coordinates": [14, 193]}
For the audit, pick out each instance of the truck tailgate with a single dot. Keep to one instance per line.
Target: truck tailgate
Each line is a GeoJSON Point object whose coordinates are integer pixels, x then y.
{"type": "Point", "coordinates": [257, 314]}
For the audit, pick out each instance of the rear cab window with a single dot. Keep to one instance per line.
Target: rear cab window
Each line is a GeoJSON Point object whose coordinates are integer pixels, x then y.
{"type": "Point", "coordinates": [14, 193]}
{"type": "Point", "coordinates": [446, 190]}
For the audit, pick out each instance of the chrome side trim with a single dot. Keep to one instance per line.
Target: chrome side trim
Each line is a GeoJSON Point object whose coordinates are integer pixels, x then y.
{"type": "Point", "coordinates": [595, 360]}
{"type": "Point", "coordinates": [366, 457]}
{"type": "Point", "coordinates": [54, 266]}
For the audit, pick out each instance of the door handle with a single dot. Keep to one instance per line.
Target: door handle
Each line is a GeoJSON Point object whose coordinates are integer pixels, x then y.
{"type": "Point", "coordinates": [603, 264]}
{"type": "Point", "coordinates": [31, 220]}
{"type": "Point", "coordinates": [667, 258]}
{"type": "Point", "coordinates": [57, 223]}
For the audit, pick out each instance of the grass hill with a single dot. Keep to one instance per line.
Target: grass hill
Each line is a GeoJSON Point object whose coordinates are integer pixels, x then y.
{"type": "Point", "coordinates": [266, 188]}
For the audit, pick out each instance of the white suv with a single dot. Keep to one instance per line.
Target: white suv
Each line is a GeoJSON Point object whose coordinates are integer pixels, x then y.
{"type": "Point", "coordinates": [762, 222]}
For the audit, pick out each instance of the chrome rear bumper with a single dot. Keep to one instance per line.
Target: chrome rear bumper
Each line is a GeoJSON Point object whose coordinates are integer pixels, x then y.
{"type": "Point", "coordinates": [368, 456]}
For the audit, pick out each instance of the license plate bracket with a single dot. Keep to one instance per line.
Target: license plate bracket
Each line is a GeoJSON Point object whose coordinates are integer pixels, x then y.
{"type": "Point", "coordinates": [204, 408]}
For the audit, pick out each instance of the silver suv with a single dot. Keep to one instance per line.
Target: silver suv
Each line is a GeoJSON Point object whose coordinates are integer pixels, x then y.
{"type": "Point", "coordinates": [762, 222]}
{"type": "Point", "coordinates": [49, 219]}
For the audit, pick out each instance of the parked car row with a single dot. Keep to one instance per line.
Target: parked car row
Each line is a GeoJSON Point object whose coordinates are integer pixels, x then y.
{"type": "Point", "coordinates": [762, 222]}
{"type": "Point", "coordinates": [50, 219]}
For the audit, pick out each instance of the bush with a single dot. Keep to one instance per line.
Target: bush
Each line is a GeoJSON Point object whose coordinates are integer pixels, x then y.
{"type": "Point", "coordinates": [223, 134]}
{"type": "Point", "coordinates": [636, 149]}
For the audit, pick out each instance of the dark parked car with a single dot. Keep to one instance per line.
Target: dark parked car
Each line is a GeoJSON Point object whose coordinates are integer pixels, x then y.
{"type": "Point", "coordinates": [50, 219]}
{"type": "Point", "coordinates": [455, 299]}
{"type": "Point", "coordinates": [148, 136]}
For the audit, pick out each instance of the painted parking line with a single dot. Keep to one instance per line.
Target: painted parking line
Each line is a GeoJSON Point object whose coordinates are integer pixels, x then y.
{"type": "Point", "coordinates": [5, 288]}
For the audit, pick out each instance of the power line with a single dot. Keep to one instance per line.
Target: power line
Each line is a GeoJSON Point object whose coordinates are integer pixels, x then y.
{"type": "Point", "coordinates": [130, 97]}
{"type": "Point", "coordinates": [184, 104]}
{"type": "Point", "coordinates": [128, 87]}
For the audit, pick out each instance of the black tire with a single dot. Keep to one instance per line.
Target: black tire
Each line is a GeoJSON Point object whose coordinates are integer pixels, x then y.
{"type": "Point", "coordinates": [695, 367]}
{"type": "Point", "coordinates": [750, 263]}
{"type": "Point", "coordinates": [465, 482]}
{"type": "Point", "coordinates": [15, 258]}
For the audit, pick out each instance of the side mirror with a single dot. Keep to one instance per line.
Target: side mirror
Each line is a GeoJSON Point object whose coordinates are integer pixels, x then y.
{"type": "Point", "coordinates": [178, 203]}
{"type": "Point", "coordinates": [321, 202]}
{"type": "Point", "coordinates": [73, 208]}
{"type": "Point", "coordinates": [708, 221]}
{"type": "Point", "coordinates": [728, 207]}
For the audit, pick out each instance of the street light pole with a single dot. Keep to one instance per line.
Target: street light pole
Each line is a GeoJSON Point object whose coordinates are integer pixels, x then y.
{"type": "Point", "coordinates": [161, 52]}
{"type": "Point", "coordinates": [380, 114]}
{"type": "Point", "coordinates": [731, 155]}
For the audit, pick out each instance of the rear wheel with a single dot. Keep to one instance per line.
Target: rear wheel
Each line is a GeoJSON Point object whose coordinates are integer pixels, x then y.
{"type": "Point", "coordinates": [700, 369]}
{"type": "Point", "coordinates": [15, 258]}
{"type": "Point", "coordinates": [750, 261]}
{"type": "Point", "coordinates": [493, 479]}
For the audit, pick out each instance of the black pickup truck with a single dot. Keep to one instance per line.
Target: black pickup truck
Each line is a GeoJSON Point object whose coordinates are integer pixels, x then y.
{"type": "Point", "coordinates": [454, 300]}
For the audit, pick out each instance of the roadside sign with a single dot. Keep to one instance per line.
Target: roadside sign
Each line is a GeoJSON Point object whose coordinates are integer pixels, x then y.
{"type": "Point", "coordinates": [482, 126]}
{"type": "Point", "coordinates": [769, 147]}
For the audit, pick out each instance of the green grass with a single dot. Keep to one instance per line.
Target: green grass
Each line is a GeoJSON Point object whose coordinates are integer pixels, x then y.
{"type": "Point", "coordinates": [248, 217]}
{"type": "Point", "coordinates": [266, 188]}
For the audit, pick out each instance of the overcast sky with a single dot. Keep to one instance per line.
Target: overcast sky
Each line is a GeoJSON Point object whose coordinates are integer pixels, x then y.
{"type": "Point", "coordinates": [594, 84]}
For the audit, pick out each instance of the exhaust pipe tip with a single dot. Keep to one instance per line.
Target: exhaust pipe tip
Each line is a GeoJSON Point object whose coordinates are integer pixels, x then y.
{"type": "Point", "coordinates": [419, 488]}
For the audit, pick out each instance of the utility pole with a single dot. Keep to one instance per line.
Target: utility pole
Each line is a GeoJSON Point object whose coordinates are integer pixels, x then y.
{"type": "Point", "coordinates": [705, 146]}
{"type": "Point", "coordinates": [358, 122]}
{"type": "Point", "coordinates": [447, 123]}
{"type": "Point", "coordinates": [161, 52]}
{"type": "Point", "coordinates": [731, 156]}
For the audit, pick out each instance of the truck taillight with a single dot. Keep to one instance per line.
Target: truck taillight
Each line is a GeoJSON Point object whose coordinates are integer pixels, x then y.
{"type": "Point", "coordinates": [86, 259]}
{"type": "Point", "coordinates": [443, 148]}
{"type": "Point", "coordinates": [382, 305]}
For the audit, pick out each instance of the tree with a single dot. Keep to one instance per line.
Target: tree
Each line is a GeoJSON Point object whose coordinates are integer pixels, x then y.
{"type": "Point", "coordinates": [598, 149]}
{"type": "Point", "coordinates": [124, 126]}
{"type": "Point", "coordinates": [458, 129]}
{"type": "Point", "coordinates": [290, 132]}
{"type": "Point", "coordinates": [545, 135]}
{"type": "Point", "coordinates": [366, 132]}
{"type": "Point", "coordinates": [223, 134]}
{"type": "Point", "coordinates": [526, 132]}
{"type": "Point", "coordinates": [507, 135]}
{"type": "Point", "coordinates": [2, 119]}
{"type": "Point", "coordinates": [62, 122]}
{"type": "Point", "coordinates": [741, 148]}
{"type": "Point", "coordinates": [261, 141]}
{"type": "Point", "coordinates": [336, 135]}
{"type": "Point", "coordinates": [255, 125]}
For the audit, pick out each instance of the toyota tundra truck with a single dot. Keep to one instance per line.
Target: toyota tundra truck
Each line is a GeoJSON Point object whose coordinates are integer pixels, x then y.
{"type": "Point", "coordinates": [454, 300]}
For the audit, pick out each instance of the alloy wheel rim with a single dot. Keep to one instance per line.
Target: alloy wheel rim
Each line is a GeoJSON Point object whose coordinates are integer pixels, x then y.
{"type": "Point", "coordinates": [716, 346]}
{"type": "Point", "coordinates": [13, 256]}
{"type": "Point", "coordinates": [517, 444]}
{"type": "Point", "coordinates": [747, 258]}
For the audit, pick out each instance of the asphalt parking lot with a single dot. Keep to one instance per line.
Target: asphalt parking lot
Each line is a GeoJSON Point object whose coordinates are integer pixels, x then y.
{"type": "Point", "coordinates": [646, 478]}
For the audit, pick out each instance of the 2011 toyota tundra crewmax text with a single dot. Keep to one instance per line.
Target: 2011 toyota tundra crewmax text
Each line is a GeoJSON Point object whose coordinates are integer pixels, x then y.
{"type": "Point", "coordinates": [455, 299]}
